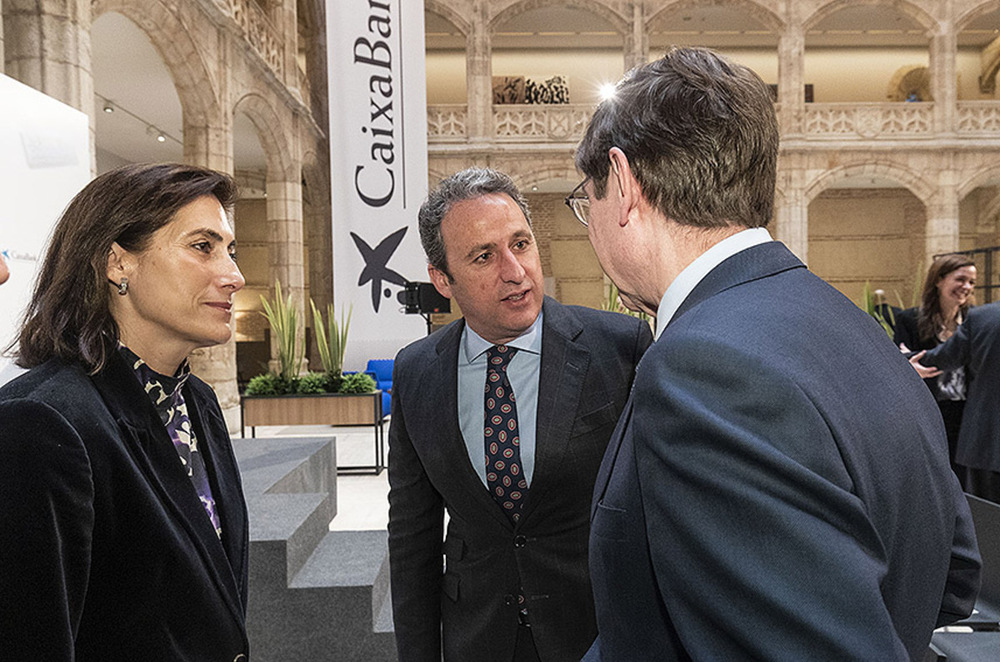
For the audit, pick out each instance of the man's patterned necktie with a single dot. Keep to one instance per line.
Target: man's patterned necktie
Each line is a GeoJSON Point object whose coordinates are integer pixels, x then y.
{"type": "Point", "coordinates": [504, 475]}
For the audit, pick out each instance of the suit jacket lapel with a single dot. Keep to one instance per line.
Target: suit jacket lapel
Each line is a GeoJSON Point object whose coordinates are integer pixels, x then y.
{"type": "Point", "coordinates": [224, 476]}
{"type": "Point", "coordinates": [564, 364]}
{"type": "Point", "coordinates": [147, 441]}
{"type": "Point", "coordinates": [442, 415]}
{"type": "Point", "coordinates": [750, 264]}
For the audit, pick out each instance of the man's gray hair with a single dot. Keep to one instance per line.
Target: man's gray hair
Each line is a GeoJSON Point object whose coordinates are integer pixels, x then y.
{"type": "Point", "coordinates": [466, 184]}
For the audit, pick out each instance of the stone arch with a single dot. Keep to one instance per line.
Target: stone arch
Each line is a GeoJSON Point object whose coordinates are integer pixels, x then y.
{"type": "Point", "coordinates": [280, 164]}
{"type": "Point", "coordinates": [449, 14]}
{"type": "Point", "coordinates": [991, 63]}
{"type": "Point", "coordinates": [770, 20]}
{"type": "Point", "coordinates": [975, 12]}
{"type": "Point", "coordinates": [910, 79]}
{"type": "Point", "coordinates": [928, 22]}
{"type": "Point", "coordinates": [192, 77]}
{"type": "Point", "coordinates": [983, 177]}
{"type": "Point", "coordinates": [599, 9]}
{"type": "Point", "coordinates": [525, 180]}
{"type": "Point", "coordinates": [911, 181]}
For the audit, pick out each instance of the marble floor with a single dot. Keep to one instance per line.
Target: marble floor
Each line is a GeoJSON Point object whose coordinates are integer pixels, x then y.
{"type": "Point", "coordinates": [362, 500]}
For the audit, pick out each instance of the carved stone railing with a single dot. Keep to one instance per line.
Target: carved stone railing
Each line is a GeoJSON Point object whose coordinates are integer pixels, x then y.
{"type": "Point", "coordinates": [869, 120]}
{"type": "Point", "coordinates": [527, 123]}
{"type": "Point", "coordinates": [541, 123]}
{"type": "Point", "coordinates": [259, 32]}
{"type": "Point", "coordinates": [978, 117]}
{"type": "Point", "coordinates": [446, 123]}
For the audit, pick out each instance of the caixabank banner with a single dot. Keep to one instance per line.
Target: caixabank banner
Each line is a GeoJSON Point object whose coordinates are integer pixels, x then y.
{"type": "Point", "coordinates": [378, 162]}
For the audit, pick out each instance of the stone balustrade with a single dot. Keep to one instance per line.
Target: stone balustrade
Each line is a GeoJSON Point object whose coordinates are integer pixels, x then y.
{"type": "Point", "coordinates": [540, 123]}
{"type": "Point", "coordinates": [869, 120]}
{"type": "Point", "coordinates": [978, 118]}
{"type": "Point", "coordinates": [260, 32]}
{"type": "Point", "coordinates": [860, 121]}
{"type": "Point", "coordinates": [446, 123]}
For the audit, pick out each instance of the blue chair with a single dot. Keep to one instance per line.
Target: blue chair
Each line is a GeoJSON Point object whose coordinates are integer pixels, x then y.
{"type": "Point", "coordinates": [382, 370]}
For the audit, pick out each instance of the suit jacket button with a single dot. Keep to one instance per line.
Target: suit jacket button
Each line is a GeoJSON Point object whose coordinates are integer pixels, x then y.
{"type": "Point", "coordinates": [509, 600]}
{"type": "Point", "coordinates": [520, 541]}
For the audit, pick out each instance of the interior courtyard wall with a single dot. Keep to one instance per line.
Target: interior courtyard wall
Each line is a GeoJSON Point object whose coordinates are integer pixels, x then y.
{"type": "Point", "coordinates": [867, 235]}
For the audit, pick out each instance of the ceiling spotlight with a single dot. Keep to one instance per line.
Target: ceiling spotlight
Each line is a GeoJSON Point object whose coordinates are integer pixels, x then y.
{"type": "Point", "coordinates": [109, 107]}
{"type": "Point", "coordinates": [160, 138]}
{"type": "Point", "coordinates": [607, 91]}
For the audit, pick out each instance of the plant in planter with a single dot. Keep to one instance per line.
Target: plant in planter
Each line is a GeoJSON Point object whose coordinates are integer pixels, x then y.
{"type": "Point", "coordinates": [331, 341]}
{"type": "Point", "coordinates": [283, 318]}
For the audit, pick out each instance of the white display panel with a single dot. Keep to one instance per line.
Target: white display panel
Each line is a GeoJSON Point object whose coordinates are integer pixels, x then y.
{"type": "Point", "coordinates": [44, 162]}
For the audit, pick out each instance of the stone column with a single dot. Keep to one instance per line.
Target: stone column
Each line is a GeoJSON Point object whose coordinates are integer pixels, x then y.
{"type": "Point", "coordinates": [478, 75]}
{"type": "Point", "coordinates": [943, 53]}
{"type": "Point", "coordinates": [791, 80]}
{"type": "Point", "coordinates": [317, 217]}
{"type": "Point", "coordinates": [636, 41]}
{"type": "Point", "coordinates": [208, 142]}
{"type": "Point", "coordinates": [941, 235]}
{"type": "Point", "coordinates": [942, 223]}
{"type": "Point", "coordinates": [285, 252]}
{"type": "Point", "coordinates": [48, 48]}
{"type": "Point", "coordinates": [791, 222]}
{"type": "Point", "coordinates": [287, 22]}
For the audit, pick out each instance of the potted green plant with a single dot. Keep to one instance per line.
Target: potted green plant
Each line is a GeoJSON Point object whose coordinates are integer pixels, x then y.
{"type": "Point", "coordinates": [284, 396]}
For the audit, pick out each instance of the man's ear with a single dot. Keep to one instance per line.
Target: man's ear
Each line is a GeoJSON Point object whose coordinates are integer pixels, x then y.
{"type": "Point", "coordinates": [626, 186]}
{"type": "Point", "coordinates": [442, 283]}
{"type": "Point", "coordinates": [118, 263]}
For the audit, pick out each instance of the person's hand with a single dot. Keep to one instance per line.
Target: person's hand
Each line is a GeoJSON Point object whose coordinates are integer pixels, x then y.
{"type": "Point", "coordinates": [925, 372]}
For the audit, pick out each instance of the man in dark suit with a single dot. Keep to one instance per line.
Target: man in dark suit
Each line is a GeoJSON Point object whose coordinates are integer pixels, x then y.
{"type": "Point", "coordinates": [515, 474]}
{"type": "Point", "coordinates": [772, 491]}
{"type": "Point", "coordinates": [976, 346]}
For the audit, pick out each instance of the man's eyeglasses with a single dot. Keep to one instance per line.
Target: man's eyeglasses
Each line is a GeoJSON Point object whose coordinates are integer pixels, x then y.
{"type": "Point", "coordinates": [579, 202]}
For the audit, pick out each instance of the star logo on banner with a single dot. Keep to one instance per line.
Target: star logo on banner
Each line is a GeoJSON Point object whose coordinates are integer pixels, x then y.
{"type": "Point", "coordinates": [376, 267]}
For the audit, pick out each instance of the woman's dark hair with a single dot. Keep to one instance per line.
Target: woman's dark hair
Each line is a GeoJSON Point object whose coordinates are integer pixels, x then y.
{"type": "Point", "coordinates": [69, 315]}
{"type": "Point", "coordinates": [929, 317]}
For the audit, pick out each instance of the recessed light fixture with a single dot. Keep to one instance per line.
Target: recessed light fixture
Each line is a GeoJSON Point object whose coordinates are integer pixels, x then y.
{"type": "Point", "coordinates": [109, 107]}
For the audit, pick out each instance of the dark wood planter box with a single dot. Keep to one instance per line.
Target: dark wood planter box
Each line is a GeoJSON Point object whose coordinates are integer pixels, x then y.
{"type": "Point", "coordinates": [335, 409]}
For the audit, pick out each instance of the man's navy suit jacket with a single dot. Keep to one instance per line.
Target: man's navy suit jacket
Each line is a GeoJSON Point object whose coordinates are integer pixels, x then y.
{"type": "Point", "coordinates": [470, 610]}
{"type": "Point", "coordinates": [976, 344]}
{"type": "Point", "coordinates": [778, 487]}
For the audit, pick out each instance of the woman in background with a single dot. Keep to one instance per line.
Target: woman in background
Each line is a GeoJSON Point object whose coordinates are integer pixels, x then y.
{"type": "Point", "coordinates": [123, 521]}
{"type": "Point", "coordinates": [944, 301]}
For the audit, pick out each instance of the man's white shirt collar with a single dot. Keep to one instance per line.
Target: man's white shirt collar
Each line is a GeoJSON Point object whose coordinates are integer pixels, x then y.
{"type": "Point", "coordinates": [693, 274]}
{"type": "Point", "coordinates": [474, 344]}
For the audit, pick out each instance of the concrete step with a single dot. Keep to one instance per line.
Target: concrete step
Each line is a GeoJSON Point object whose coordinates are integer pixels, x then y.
{"type": "Point", "coordinates": [291, 491]}
{"type": "Point", "coordinates": [314, 594]}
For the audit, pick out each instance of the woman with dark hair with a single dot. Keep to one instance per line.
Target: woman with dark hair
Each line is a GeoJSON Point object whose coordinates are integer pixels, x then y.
{"type": "Point", "coordinates": [944, 302]}
{"type": "Point", "coordinates": [124, 526]}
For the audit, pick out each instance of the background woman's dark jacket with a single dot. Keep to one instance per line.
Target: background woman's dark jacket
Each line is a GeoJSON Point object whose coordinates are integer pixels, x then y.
{"type": "Point", "coordinates": [906, 332]}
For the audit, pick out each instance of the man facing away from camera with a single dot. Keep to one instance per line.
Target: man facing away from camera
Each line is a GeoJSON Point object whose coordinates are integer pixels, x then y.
{"type": "Point", "coordinates": [501, 419]}
{"type": "Point", "coordinates": [779, 486]}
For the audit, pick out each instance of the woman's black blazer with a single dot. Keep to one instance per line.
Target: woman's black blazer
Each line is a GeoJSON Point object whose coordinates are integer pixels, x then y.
{"type": "Point", "coordinates": [106, 552]}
